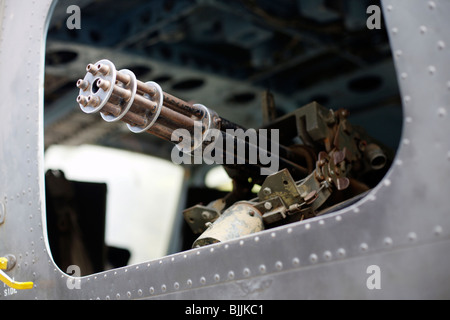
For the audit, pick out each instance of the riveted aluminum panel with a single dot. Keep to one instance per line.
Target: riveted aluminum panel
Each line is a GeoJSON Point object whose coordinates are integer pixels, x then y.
{"type": "Point", "coordinates": [402, 225]}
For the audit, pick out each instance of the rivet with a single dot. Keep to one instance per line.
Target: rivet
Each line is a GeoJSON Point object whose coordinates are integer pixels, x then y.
{"type": "Point", "coordinates": [278, 265]}
{"type": "Point", "coordinates": [216, 277]}
{"type": "Point", "coordinates": [441, 45]}
{"type": "Point", "coordinates": [273, 234]}
{"type": "Point", "coordinates": [152, 290]}
{"type": "Point", "coordinates": [296, 262]}
{"type": "Point", "coordinates": [246, 272]}
{"type": "Point", "coordinates": [321, 222]}
{"type": "Point", "coordinates": [118, 296]}
{"type": "Point", "coordinates": [307, 226]}
{"type": "Point", "coordinates": [176, 286]}
{"type": "Point", "coordinates": [140, 292]}
{"type": "Point", "coordinates": [189, 282]}
{"type": "Point", "coordinates": [129, 294]}
{"type": "Point", "coordinates": [289, 230]}
{"type": "Point", "coordinates": [431, 70]}
{"type": "Point", "coordinates": [407, 99]}
{"type": "Point", "coordinates": [442, 112]}
{"type": "Point", "coordinates": [327, 255]}
{"type": "Point", "coordinates": [313, 258]}
{"type": "Point", "coordinates": [338, 218]}
{"type": "Point", "coordinates": [231, 275]}
{"type": "Point", "coordinates": [256, 239]}
{"type": "Point", "coordinates": [241, 243]}
{"type": "Point", "coordinates": [387, 182]}
{"type": "Point", "coordinates": [423, 29]}
{"type": "Point", "coordinates": [202, 280]}
{"type": "Point", "coordinates": [404, 75]}
{"type": "Point", "coordinates": [387, 241]}
{"type": "Point", "coordinates": [262, 268]}
{"type": "Point", "coordinates": [363, 247]}
{"type": "Point", "coordinates": [437, 230]}
{"type": "Point", "coordinates": [412, 236]}
{"type": "Point", "coordinates": [163, 288]}
{"type": "Point", "coordinates": [356, 210]}
{"type": "Point", "coordinates": [431, 5]}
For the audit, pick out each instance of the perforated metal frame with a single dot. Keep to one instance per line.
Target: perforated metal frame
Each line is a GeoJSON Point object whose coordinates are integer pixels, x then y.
{"type": "Point", "coordinates": [402, 225]}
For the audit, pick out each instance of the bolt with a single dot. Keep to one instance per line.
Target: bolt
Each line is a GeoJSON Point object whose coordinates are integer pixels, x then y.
{"type": "Point", "coordinates": [267, 191]}
{"type": "Point", "coordinates": [268, 205]}
{"type": "Point", "coordinates": [206, 215]}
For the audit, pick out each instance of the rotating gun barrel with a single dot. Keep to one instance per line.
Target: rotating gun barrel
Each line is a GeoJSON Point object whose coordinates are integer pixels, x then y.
{"type": "Point", "coordinates": [335, 163]}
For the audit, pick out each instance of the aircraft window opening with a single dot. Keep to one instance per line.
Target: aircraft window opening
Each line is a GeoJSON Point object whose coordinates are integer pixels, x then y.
{"type": "Point", "coordinates": [334, 114]}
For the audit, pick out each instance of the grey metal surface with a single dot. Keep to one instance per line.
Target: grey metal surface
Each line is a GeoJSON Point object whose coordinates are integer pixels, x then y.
{"type": "Point", "coordinates": [402, 225]}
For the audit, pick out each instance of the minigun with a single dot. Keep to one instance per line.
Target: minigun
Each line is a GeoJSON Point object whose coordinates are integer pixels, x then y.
{"type": "Point", "coordinates": [307, 163]}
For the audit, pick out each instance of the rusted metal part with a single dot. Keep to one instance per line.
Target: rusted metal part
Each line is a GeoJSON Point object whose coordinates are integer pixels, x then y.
{"type": "Point", "coordinates": [179, 120]}
{"type": "Point", "coordinates": [118, 95]}
{"type": "Point", "coordinates": [182, 107]}
{"type": "Point", "coordinates": [199, 217]}
{"type": "Point", "coordinates": [239, 220]}
{"type": "Point", "coordinates": [280, 198]}
{"type": "Point", "coordinates": [112, 109]}
{"type": "Point", "coordinates": [308, 177]}
{"type": "Point", "coordinates": [375, 156]}
{"type": "Point", "coordinates": [280, 184]}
